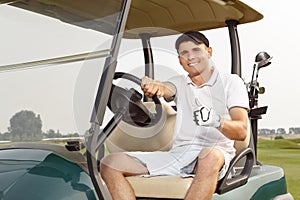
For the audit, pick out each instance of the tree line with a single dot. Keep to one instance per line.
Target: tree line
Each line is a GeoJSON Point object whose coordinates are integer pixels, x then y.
{"type": "Point", "coordinates": [27, 126]}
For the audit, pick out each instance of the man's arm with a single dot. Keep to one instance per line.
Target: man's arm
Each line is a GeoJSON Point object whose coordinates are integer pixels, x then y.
{"type": "Point", "coordinates": [162, 89]}
{"type": "Point", "coordinates": [237, 127]}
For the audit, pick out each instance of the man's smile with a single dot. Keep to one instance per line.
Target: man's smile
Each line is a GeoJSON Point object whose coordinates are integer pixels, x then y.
{"type": "Point", "coordinates": [193, 64]}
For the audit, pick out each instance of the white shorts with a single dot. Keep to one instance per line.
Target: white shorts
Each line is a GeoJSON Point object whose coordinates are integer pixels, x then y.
{"type": "Point", "coordinates": [179, 161]}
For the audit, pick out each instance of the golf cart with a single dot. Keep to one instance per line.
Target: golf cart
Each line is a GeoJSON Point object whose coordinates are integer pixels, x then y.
{"type": "Point", "coordinates": [134, 122]}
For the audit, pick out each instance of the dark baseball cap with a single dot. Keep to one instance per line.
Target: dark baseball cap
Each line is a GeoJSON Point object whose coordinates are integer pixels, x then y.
{"type": "Point", "coordinates": [192, 36]}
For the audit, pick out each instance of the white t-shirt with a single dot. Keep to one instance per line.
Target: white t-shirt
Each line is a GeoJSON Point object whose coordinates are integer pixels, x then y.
{"type": "Point", "coordinates": [221, 92]}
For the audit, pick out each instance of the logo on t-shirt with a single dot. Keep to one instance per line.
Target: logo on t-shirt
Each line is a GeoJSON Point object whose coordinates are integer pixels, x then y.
{"type": "Point", "coordinates": [201, 114]}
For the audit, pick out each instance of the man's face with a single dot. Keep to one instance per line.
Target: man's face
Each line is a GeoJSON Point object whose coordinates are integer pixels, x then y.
{"type": "Point", "coordinates": [194, 58]}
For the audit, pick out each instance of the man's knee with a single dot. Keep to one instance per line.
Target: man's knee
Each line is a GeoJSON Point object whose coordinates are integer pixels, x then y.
{"type": "Point", "coordinates": [109, 163]}
{"type": "Point", "coordinates": [122, 163]}
{"type": "Point", "coordinates": [211, 159]}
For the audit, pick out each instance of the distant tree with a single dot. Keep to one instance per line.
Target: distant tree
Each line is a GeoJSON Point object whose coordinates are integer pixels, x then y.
{"type": "Point", "coordinates": [76, 135]}
{"type": "Point", "coordinates": [5, 136]}
{"type": "Point", "coordinates": [294, 130]}
{"type": "Point", "coordinates": [50, 134]}
{"type": "Point", "coordinates": [25, 126]}
{"type": "Point", "coordinates": [72, 135]}
{"type": "Point", "coordinates": [280, 131]}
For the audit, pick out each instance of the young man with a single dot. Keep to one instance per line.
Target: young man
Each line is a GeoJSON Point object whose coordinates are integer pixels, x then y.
{"type": "Point", "coordinates": [211, 114]}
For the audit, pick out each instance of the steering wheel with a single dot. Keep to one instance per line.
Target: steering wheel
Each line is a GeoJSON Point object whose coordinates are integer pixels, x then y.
{"type": "Point", "coordinates": [129, 103]}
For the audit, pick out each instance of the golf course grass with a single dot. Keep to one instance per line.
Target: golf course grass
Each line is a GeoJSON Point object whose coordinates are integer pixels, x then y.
{"type": "Point", "coordinates": [286, 154]}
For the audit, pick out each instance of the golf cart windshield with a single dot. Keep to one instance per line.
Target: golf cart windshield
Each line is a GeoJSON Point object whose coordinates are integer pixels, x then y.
{"type": "Point", "coordinates": [108, 21]}
{"type": "Point", "coordinates": [91, 37]}
{"type": "Point", "coordinates": [153, 18]}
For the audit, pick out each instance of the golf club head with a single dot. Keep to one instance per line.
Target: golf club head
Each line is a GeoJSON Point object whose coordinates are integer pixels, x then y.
{"type": "Point", "coordinates": [262, 59]}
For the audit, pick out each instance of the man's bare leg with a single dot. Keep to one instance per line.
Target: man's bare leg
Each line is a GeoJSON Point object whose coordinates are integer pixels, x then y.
{"type": "Point", "coordinates": [114, 168]}
{"type": "Point", "coordinates": [210, 161]}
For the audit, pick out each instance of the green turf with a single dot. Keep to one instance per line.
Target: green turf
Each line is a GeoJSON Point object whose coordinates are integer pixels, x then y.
{"type": "Point", "coordinates": [286, 154]}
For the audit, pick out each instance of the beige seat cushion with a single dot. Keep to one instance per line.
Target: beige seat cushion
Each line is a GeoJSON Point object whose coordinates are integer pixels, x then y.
{"type": "Point", "coordinates": [126, 137]}
{"type": "Point", "coordinates": [160, 186]}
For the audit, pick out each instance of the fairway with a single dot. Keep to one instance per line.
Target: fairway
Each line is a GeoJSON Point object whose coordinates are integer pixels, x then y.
{"type": "Point", "coordinates": [280, 153]}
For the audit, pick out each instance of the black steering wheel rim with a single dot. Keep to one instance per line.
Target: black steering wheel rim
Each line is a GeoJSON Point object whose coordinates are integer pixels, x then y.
{"type": "Point", "coordinates": [129, 103]}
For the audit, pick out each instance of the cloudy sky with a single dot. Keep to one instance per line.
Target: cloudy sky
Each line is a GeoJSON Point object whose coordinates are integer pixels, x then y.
{"type": "Point", "coordinates": [63, 94]}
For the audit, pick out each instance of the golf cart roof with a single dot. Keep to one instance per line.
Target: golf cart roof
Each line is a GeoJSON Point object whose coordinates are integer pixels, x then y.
{"type": "Point", "coordinates": [158, 17]}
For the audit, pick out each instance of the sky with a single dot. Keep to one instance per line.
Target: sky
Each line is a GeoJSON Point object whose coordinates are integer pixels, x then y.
{"type": "Point", "coordinates": [63, 95]}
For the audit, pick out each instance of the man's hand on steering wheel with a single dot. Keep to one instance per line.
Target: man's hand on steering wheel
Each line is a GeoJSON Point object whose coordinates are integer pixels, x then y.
{"type": "Point", "coordinates": [161, 89]}
{"type": "Point", "coordinates": [152, 87]}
